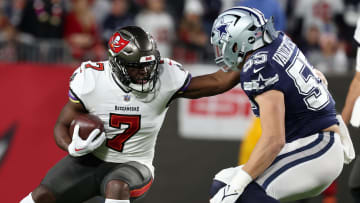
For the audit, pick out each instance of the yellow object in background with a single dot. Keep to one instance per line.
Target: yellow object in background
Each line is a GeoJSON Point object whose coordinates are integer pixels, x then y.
{"type": "Point", "coordinates": [251, 138]}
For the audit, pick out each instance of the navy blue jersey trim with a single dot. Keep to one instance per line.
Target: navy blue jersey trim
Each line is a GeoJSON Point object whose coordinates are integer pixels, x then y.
{"type": "Point", "coordinates": [215, 187]}
{"type": "Point", "coordinates": [181, 90]}
{"type": "Point", "coordinates": [300, 161]}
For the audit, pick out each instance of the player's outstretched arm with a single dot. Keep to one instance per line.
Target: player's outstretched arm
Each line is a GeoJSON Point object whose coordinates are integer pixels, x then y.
{"type": "Point", "coordinates": [352, 95]}
{"type": "Point", "coordinates": [61, 129]}
{"type": "Point", "coordinates": [211, 84]}
{"type": "Point", "coordinates": [272, 117]}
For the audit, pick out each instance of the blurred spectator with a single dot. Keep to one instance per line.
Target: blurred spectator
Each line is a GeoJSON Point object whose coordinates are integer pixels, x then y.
{"type": "Point", "coordinates": [175, 9]}
{"type": "Point", "coordinates": [226, 4]}
{"type": "Point", "coordinates": [81, 32]}
{"type": "Point", "coordinates": [43, 18]}
{"type": "Point", "coordinates": [269, 8]}
{"type": "Point", "coordinates": [159, 24]}
{"type": "Point", "coordinates": [40, 29]}
{"type": "Point", "coordinates": [331, 58]}
{"type": "Point", "coordinates": [101, 8]}
{"type": "Point", "coordinates": [117, 18]}
{"type": "Point", "coordinates": [323, 11]}
{"type": "Point", "coordinates": [212, 9]}
{"type": "Point", "coordinates": [12, 9]}
{"type": "Point", "coordinates": [347, 23]}
{"type": "Point", "coordinates": [192, 38]}
{"type": "Point", "coordinates": [311, 41]}
{"type": "Point", "coordinates": [7, 39]}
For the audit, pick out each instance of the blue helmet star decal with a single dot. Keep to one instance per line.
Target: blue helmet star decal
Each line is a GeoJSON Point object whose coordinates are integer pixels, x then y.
{"type": "Point", "coordinates": [222, 29]}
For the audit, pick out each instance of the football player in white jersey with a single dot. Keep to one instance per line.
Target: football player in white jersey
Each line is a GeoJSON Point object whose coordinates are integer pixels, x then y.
{"type": "Point", "coordinates": [351, 114]}
{"type": "Point", "coordinates": [130, 93]}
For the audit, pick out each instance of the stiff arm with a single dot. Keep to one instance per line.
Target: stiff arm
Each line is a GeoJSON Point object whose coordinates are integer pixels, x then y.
{"type": "Point", "coordinates": [211, 84]}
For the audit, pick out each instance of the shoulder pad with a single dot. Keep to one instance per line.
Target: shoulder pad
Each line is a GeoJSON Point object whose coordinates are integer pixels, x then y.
{"type": "Point", "coordinates": [83, 79]}
{"type": "Point", "coordinates": [170, 62]}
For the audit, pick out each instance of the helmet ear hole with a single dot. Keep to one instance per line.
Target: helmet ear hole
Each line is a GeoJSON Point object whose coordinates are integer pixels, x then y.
{"type": "Point", "coordinates": [252, 28]}
{"type": "Point", "coordinates": [234, 48]}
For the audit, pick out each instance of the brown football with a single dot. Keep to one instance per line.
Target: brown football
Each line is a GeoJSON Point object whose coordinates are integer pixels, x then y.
{"type": "Point", "coordinates": [87, 123]}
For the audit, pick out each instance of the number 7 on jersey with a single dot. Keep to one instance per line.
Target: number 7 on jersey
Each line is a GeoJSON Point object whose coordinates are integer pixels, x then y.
{"type": "Point", "coordinates": [116, 121]}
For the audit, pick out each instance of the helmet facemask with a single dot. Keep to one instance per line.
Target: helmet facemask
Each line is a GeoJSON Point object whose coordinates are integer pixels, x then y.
{"type": "Point", "coordinates": [136, 64]}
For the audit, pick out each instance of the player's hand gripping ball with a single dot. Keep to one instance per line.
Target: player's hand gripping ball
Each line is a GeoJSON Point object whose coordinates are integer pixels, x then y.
{"type": "Point", "coordinates": [87, 123]}
{"type": "Point", "coordinates": [87, 133]}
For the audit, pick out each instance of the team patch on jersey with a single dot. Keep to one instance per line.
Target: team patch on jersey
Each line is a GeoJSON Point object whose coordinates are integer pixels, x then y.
{"type": "Point", "coordinates": [127, 98]}
{"type": "Point", "coordinates": [260, 83]}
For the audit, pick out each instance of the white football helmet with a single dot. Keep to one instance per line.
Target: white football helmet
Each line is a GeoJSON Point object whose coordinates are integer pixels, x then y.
{"type": "Point", "coordinates": [238, 31]}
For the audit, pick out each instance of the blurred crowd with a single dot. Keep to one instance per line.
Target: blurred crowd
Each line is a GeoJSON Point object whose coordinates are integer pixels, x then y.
{"type": "Point", "coordinates": [64, 31]}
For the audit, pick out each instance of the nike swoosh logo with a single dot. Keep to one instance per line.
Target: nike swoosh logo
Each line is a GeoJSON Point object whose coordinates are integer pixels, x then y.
{"type": "Point", "coordinates": [257, 70]}
{"type": "Point", "coordinates": [76, 149]}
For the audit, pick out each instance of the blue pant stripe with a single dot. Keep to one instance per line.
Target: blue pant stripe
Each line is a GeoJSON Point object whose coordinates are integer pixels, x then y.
{"type": "Point", "coordinates": [299, 161]}
{"type": "Point", "coordinates": [312, 144]}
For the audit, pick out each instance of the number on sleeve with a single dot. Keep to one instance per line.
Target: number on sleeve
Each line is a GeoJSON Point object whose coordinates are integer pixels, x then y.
{"type": "Point", "coordinates": [316, 95]}
{"type": "Point", "coordinates": [98, 66]}
{"type": "Point", "coordinates": [130, 124]}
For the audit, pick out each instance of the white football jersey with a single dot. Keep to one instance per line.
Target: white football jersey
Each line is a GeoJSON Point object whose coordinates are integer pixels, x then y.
{"type": "Point", "coordinates": [132, 120]}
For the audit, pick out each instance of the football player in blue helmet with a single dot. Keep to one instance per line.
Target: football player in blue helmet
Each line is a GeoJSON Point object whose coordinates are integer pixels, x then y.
{"type": "Point", "coordinates": [301, 149]}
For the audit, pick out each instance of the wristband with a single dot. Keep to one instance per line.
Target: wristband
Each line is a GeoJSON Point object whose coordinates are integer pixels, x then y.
{"type": "Point", "coordinates": [240, 180]}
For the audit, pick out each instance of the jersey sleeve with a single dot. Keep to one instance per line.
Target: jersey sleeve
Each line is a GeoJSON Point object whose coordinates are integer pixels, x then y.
{"type": "Point", "coordinates": [81, 83]}
{"type": "Point", "coordinates": [260, 78]}
{"type": "Point", "coordinates": [176, 77]}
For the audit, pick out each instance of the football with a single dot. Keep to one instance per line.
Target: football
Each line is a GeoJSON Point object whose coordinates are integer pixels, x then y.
{"type": "Point", "coordinates": [87, 123]}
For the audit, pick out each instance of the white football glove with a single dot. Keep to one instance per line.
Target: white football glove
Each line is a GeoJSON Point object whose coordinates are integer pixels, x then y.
{"type": "Point", "coordinates": [79, 147]}
{"type": "Point", "coordinates": [231, 192]}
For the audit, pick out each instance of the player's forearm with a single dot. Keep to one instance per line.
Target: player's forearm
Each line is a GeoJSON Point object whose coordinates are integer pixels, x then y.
{"type": "Point", "coordinates": [211, 84]}
{"type": "Point", "coordinates": [353, 93]}
{"type": "Point", "coordinates": [263, 155]}
{"type": "Point", "coordinates": [62, 137]}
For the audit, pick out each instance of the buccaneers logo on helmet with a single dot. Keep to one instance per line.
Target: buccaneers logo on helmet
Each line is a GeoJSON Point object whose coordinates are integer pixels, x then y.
{"type": "Point", "coordinates": [117, 43]}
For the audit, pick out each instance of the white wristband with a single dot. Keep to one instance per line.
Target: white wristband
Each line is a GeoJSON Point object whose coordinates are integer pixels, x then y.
{"type": "Point", "coordinates": [240, 180]}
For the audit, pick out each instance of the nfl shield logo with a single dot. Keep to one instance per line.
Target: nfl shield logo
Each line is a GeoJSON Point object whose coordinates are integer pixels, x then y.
{"type": "Point", "coordinates": [127, 98]}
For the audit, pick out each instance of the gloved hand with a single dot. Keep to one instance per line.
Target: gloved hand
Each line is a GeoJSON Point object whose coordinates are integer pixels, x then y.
{"type": "Point", "coordinates": [227, 194]}
{"type": "Point", "coordinates": [79, 147]}
{"type": "Point", "coordinates": [232, 191]}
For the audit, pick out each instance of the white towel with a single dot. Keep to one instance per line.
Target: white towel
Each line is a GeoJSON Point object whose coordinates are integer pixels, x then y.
{"type": "Point", "coordinates": [349, 151]}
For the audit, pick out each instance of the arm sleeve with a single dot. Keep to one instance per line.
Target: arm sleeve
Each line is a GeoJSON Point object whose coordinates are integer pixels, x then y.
{"type": "Point", "coordinates": [81, 83]}
{"type": "Point", "coordinates": [177, 79]}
